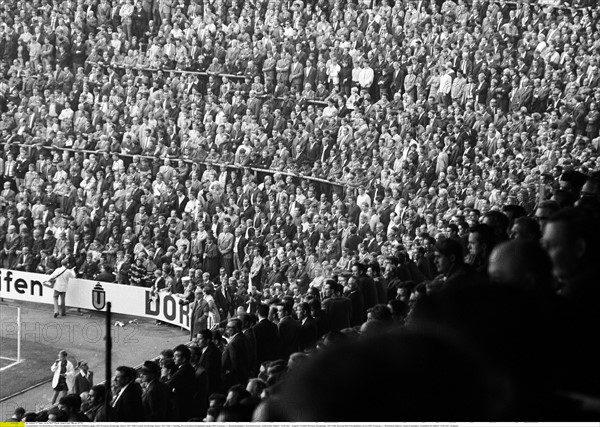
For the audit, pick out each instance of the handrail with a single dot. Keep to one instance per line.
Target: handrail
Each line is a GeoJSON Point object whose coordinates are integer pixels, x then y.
{"type": "Point", "coordinates": [199, 73]}
{"type": "Point", "coordinates": [542, 4]}
{"type": "Point", "coordinates": [191, 161]}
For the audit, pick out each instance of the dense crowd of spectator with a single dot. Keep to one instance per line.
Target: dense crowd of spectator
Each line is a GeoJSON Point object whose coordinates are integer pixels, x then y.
{"type": "Point", "coordinates": [343, 175]}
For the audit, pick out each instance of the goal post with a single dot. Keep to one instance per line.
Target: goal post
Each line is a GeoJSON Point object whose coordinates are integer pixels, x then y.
{"type": "Point", "coordinates": [18, 334]}
{"type": "Point", "coordinates": [12, 334]}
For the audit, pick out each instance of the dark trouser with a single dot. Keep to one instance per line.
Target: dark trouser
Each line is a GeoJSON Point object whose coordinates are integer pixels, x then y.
{"type": "Point", "coordinates": [227, 263]}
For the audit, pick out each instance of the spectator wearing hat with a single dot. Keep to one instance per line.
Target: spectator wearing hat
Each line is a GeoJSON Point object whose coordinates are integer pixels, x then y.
{"type": "Point", "coordinates": [84, 379]}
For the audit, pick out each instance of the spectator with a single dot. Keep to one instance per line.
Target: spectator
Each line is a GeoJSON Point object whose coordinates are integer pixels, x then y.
{"type": "Point", "coordinates": [156, 396]}
{"type": "Point", "coordinates": [84, 380]}
{"type": "Point", "coordinates": [127, 403]}
{"type": "Point", "coordinates": [210, 359]}
{"type": "Point", "coordinates": [235, 361]}
{"type": "Point", "coordinates": [71, 405]}
{"type": "Point", "coordinates": [288, 330]}
{"type": "Point", "coordinates": [97, 409]}
{"type": "Point", "coordinates": [62, 380]}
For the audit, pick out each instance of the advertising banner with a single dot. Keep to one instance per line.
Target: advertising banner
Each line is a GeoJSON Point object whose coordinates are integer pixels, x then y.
{"type": "Point", "coordinates": [131, 300]}
{"type": "Point", "coordinates": [93, 295]}
{"type": "Point", "coordinates": [23, 286]}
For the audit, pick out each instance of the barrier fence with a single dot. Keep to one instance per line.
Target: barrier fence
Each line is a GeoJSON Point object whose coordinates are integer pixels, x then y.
{"type": "Point", "coordinates": [324, 185]}
{"type": "Point", "coordinates": [94, 296]}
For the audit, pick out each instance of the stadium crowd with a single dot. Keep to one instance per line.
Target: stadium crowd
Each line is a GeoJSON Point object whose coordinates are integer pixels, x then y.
{"type": "Point", "coordinates": [364, 203]}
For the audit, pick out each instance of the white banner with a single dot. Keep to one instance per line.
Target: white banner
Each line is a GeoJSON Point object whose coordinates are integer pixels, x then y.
{"type": "Point", "coordinates": [93, 295]}
{"type": "Point", "coordinates": [23, 286]}
{"type": "Point", "coordinates": [131, 300]}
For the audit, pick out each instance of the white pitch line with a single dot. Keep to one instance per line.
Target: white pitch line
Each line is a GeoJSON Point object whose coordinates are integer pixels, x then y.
{"type": "Point", "coordinates": [9, 366]}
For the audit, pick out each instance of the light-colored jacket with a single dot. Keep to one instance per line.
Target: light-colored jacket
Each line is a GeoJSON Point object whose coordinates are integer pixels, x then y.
{"type": "Point", "coordinates": [62, 276]}
{"type": "Point", "coordinates": [70, 374]}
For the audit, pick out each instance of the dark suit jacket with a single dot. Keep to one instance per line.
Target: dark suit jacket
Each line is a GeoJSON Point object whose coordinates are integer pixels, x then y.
{"type": "Point", "coordinates": [398, 80]}
{"type": "Point", "coordinates": [222, 302]}
{"type": "Point", "coordinates": [156, 400]}
{"type": "Point", "coordinates": [367, 287]}
{"type": "Point", "coordinates": [181, 206]}
{"type": "Point", "coordinates": [200, 397]}
{"type": "Point", "coordinates": [81, 384]}
{"type": "Point", "coordinates": [210, 360]}
{"type": "Point", "coordinates": [131, 210]}
{"type": "Point", "coordinates": [288, 332]}
{"type": "Point", "coordinates": [183, 386]}
{"type": "Point", "coordinates": [308, 334]}
{"type": "Point", "coordinates": [236, 361]}
{"type": "Point", "coordinates": [339, 312]}
{"type": "Point", "coordinates": [249, 333]}
{"type": "Point", "coordinates": [241, 246]}
{"type": "Point", "coordinates": [358, 307]}
{"type": "Point", "coordinates": [266, 335]}
{"type": "Point", "coordinates": [129, 407]}
{"type": "Point", "coordinates": [310, 76]}
{"type": "Point", "coordinates": [102, 236]}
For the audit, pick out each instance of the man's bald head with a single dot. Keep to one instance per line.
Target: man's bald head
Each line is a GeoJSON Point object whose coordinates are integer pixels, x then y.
{"type": "Point", "coordinates": [521, 263]}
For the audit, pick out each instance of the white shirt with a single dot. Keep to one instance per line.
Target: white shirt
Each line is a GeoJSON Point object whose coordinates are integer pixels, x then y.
{"type": "Point", "coordinates": [119, 395]}
{"type": "Point", "coordinates": [363, 198]}
{"type": "Point", "coordinates": [366, 76]}
{"type": "Point", "coordinates": [445, 83]}
{"type": "Point", "coordinates": [62, 276]}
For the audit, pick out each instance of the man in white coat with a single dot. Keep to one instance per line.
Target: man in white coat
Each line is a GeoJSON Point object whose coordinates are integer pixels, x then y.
{"type": "Point", "coordinates": [64, 372]}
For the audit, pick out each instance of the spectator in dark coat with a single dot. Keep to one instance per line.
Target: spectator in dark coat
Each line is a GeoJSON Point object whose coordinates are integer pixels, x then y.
{"type": "Point", "coordinates": [288, 331]}
{"type": "Point", "coordinates": [247, 329]}
{"type": "Point", "coordinates": [183, 384]}
{"type": "Point", "coordinates": [309, 332]}
{"type": "Point", "coordinates": [337, 307]}
{"type": "Point", "coordinates": [366, 285]}
{"type": "Point", "coordinates": [210, 360]}
{"type": "Point", "coordinates": [266, 335]}
{"type": "Point", "coordinates": [201, 394]}
{"type": "Point", "coordinates": [236, 357]}
{"type": "Point", "coordinates": [358, 303]}
{"type": "Point", "coordinates": [84, 380]}
{"type": "Point", "coordinates": [127, 404]}
{"type": "Point", "coordinates": [155, 397]}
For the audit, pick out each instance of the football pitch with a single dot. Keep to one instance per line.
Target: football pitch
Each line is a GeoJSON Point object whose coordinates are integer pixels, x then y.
{"type": "Point", "coordinates": [32, 369]}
